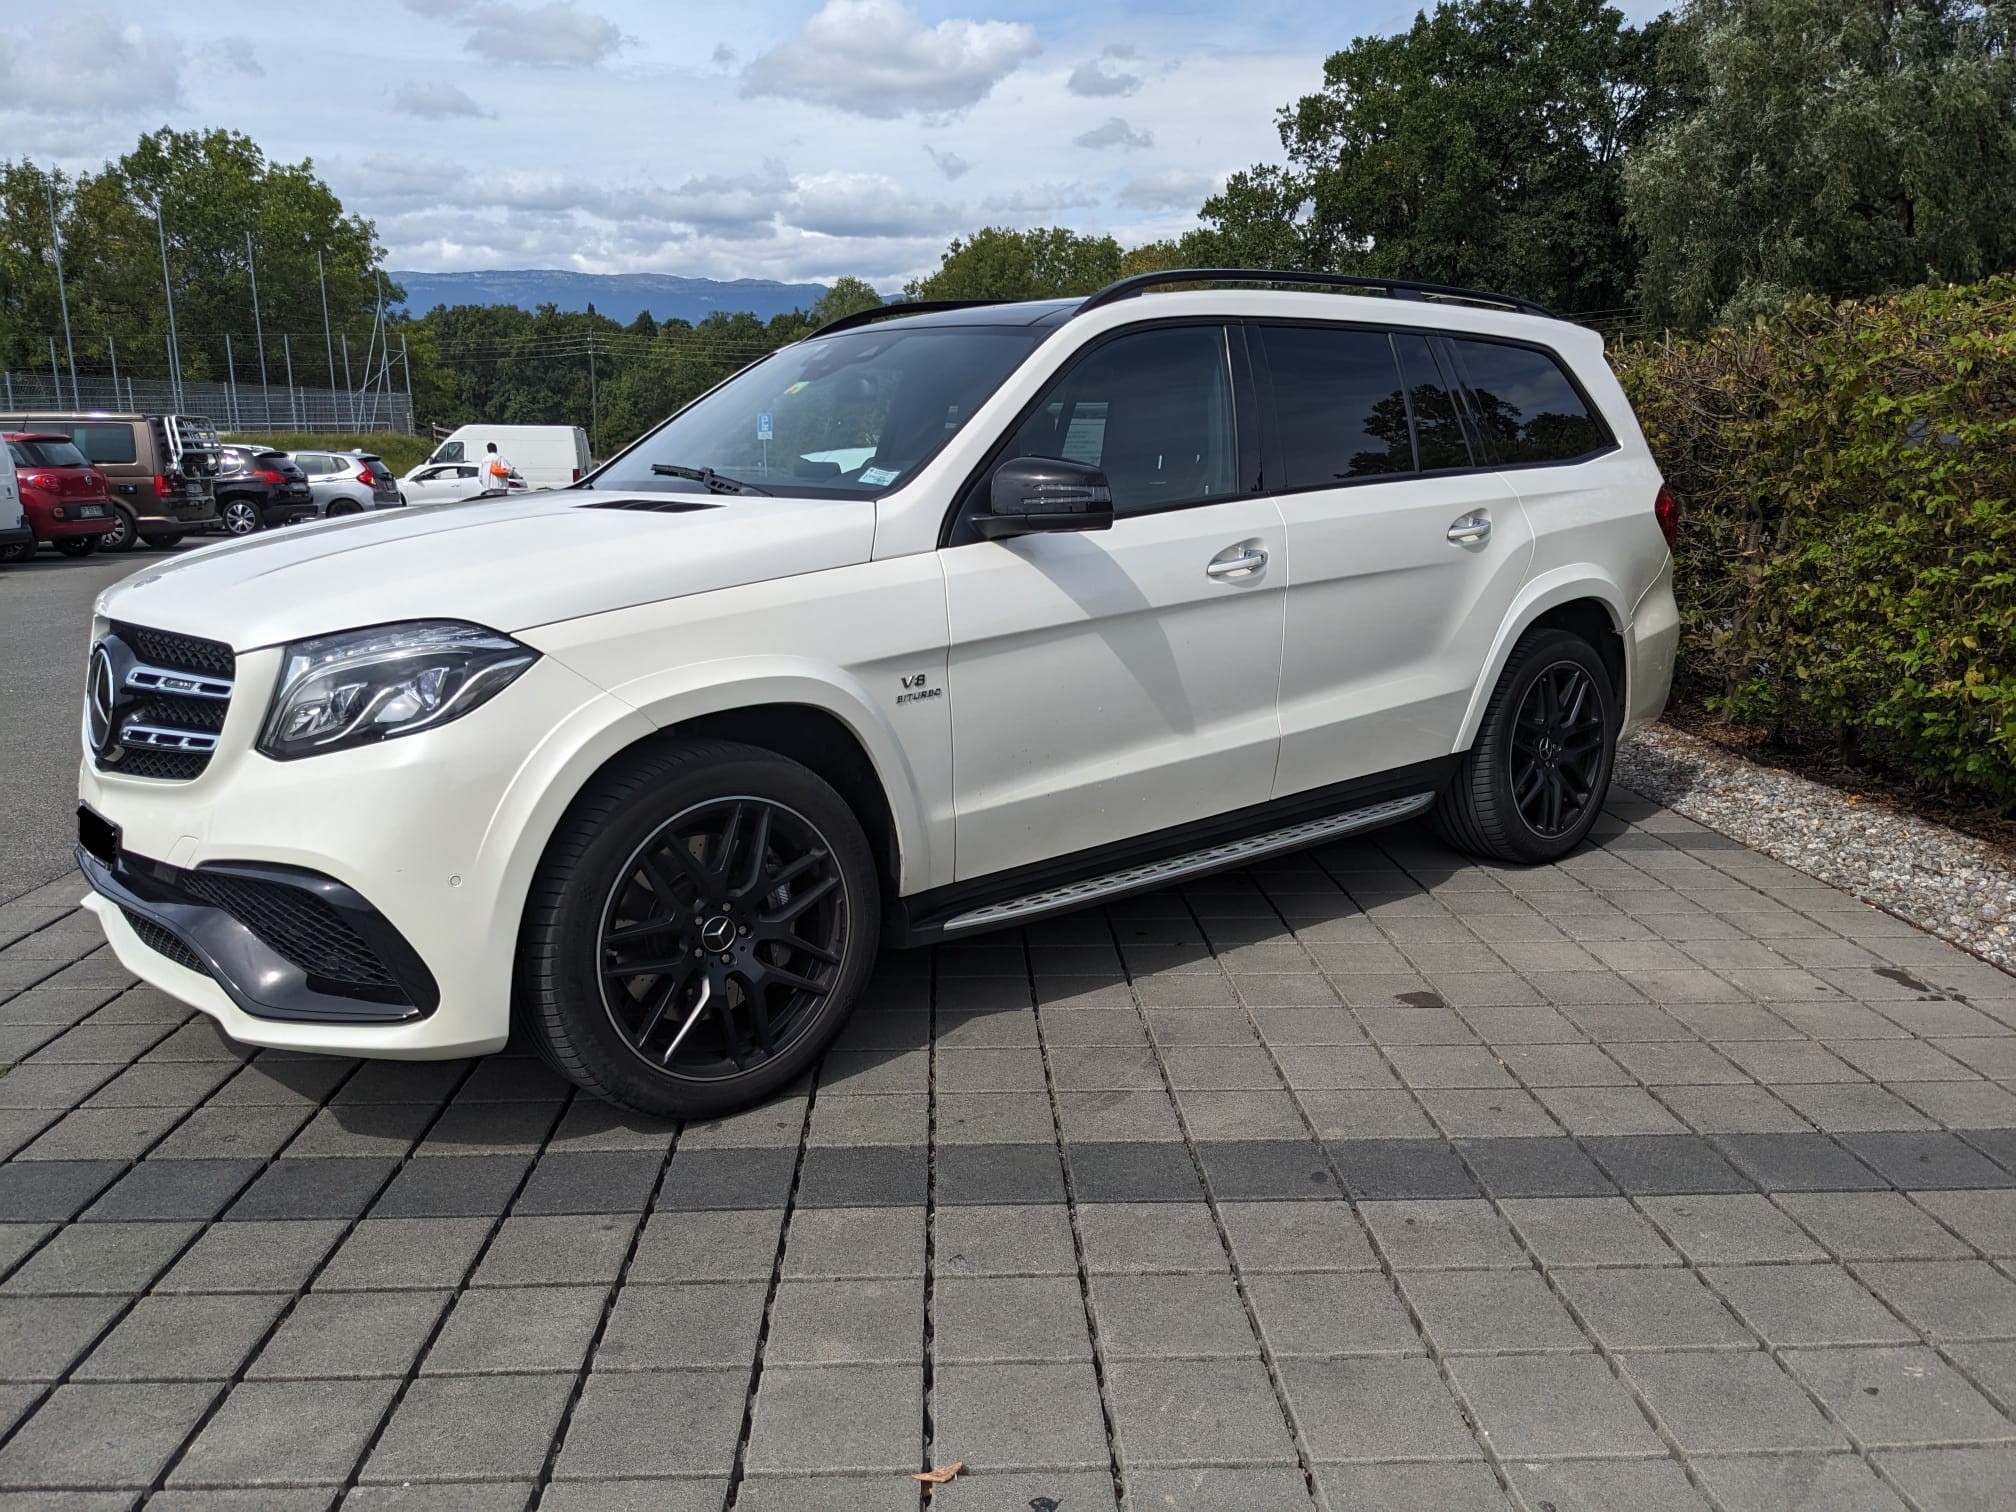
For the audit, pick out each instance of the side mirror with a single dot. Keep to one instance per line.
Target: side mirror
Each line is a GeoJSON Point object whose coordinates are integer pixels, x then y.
{"type": "Point", "coordinates": [1030, 494]}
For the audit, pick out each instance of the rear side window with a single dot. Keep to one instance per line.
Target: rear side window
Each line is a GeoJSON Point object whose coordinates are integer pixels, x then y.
{"type": "Point", "coordinates": [46, 453]}
{"type": "Point", "coordinates": [1438, 432]}
{"type": "Point", "coordinates": [1339, 411]}
{"type": "Point", "coordinates": [104, 443]}
{"type": "Point", "coordinates": [1525, 404]}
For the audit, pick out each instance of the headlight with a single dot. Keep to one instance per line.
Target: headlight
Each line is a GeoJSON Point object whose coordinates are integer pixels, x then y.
{"type": "Point", "coordinates": [338, 691]}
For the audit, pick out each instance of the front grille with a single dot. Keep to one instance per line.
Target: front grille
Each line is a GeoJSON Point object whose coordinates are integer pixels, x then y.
{"type": "Point", "coordinates": [165, 732]}
{"type": "Point", "coordinates": [296, 924]}
{"type": "Point", "coordinates": [162, 942]}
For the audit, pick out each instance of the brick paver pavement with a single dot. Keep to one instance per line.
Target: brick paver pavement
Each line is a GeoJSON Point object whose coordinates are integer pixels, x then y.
{"type": "Point", "coordinates": [1665, 1177]}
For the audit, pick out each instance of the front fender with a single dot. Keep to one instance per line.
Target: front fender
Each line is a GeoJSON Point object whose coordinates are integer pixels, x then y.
{"type": "Point", "coordinates": [1563, 585]}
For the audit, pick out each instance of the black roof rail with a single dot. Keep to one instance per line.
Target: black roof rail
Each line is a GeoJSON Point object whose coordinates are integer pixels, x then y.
{"type": "Point", "coordinates": [1397, 288]}
{"type": "Point", "coordinates": [901, 307]}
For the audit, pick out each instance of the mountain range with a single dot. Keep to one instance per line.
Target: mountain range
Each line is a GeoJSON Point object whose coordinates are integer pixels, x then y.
{"type": "Point", "coordinates": [620, 296]}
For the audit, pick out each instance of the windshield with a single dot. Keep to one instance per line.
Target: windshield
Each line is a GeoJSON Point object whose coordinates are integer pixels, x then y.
{"type": "Point", "coordinates": [46, 451]}
{"type": "Point", "coordinates": [843, 417]}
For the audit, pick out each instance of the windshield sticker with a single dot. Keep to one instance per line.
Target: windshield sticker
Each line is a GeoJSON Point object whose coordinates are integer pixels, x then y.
{"type": "Point", "coordinates": [875, 477]}
{"type": "Point", "coordinates": [797, 386]}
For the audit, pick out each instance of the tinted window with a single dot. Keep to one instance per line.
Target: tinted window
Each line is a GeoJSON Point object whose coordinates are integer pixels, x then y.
{"type": "Point", "coordinates": [1153, 410]}
{"type": "Point", "coordinates": [1528, 409]}
{"type": "Point", "coordinates": [1338, 408]}
{"type": "Point", "coordinates": [1438, 433]}
{"type": "Point", "coordinates": [450, 452]}
{"type": "Point", "coordinates": [104, 443]}
{"type": "Point", "coordinates": [46, 454]}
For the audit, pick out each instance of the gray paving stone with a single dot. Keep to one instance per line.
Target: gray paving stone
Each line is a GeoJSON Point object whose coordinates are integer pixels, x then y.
{"type": "Point", "coordinates": [994, 1240]}
{"type": "Point", "coordinates": [383, 1129]}
{"type": "Point", "coordinates": [1020, 1416]}
{"type": "Point", "coordinates": [1169, 1412]}
{"type": "Point", "coordinates": [1544, 1167]}
{"type": "Point", "coordinates": [40, 1337]}
{"type": "Point", "coordinates": [667, 1423]}
{"type": "Point", "coordinates": [340, 1187]}
{"type": "Point", "coordinates": [995, 1174]}
{"type": "Point", "coordinates": [1170, 1316]}
{"type": "Point", "coordinates": [1732, 1110]}
{"type": "Point", "coordinates": [1650, 1485]}
{"type": "Point", "coordinates": [89, 1437]}
{"type": "Point", "coordinates": [1652, 1309]}
{"type": "Point", "coordinates": [713, 1245]}
{"type": "Point", "coordinates": [861, 1176]}
{"type": "Point", "coordinates": [668, 1495]}
{"type": "Point", "coordinates": [1548, 1406]}
{"type": "Point", "coordinates": [856, 1243]}
{"type": "Point", "coordinates": [100, 1259]}
{"type": "Point", "coordinates": [522, 1329]}
{"type": "Point", "coordinates": [256, 1438]}
{"type": "Point", "coordinates": [1956, 1299]}
{"type": "Point", "coordinates": [1470, 1113]}
{"type": "Point", "coordinates": [877, 1322]}
{"type": "Point", "coordinates": [1986, 1220]}
{"type": "Point", "coordinates": [404, 1254]}
{"type": "Point", "coordinates": [339, 1335]}
{"type": "Point", "coordinates": [449, 1496]}
{"type": "Point", "coordinates": [470, 1186]}
{"type": "Point", "coordinates": [1806, 1304]}
{"type": "Point", "coordinates": [1873, 1226]}
{"type": "Point", "coordinates": [197, 1338]}
{"type": "Point", "coordinates": [1662, 1164]}
{"type": "Point", "coordinates": [972, 1118]}
{"type": "Point", "coordinates": [1733, 1230]}
{"type": "Point", "coordinates": [1726, 1403]}
{"type": "Point", "coordinates": [1925, 1162]}
{"type": "Point", "coordinates": [51, 1191]}
{"type": "Point", "coordinates": [838, 1418]}
{"type": "Point", "coordinates": [589, 1124]}
{"type": "Point", "coordinates": [1014, 1318]}
{"type": "Point", "coordinates": [1141, 1237]}
{"type": "Point", "coordinates": [1206, 1489]}
{"type": "Point", "coordinates": [591, 1181]}
{"type": "Point", "coordinates": [1332, 1066]}
{"type": "Point", "coordinates": [1296, 1236]}
{"type": "Point", "coordinates": [1951, 1480]}
{"type": "Point", "coordinates": [1468, 1312]}
{"type": "Point", "coordinates": [268, 1082]}
{"type": "Point", "coordinates": [1109, 1117]}
{"type": "Point", "coordinates": [1331, 1313]}
{"type": "Point", "coordinates": [817, 1493]}
{"type": "Point", "coordinates": [1132, 1172]}
{"type": "Point", "coordinates": [1899, 1396]}
{"type": "Point", "coordinates": [1576, 1231]}
{"type": "Point", "coordinates": [173, 1190]}
{"type": "Point", "coordinates": [253, 1257]}
{"type": "Point", "coordinates": [450, 1428]}
{"type": "Point", "coordinates": [1366, 1115]}
{"type": "Point", "coordinates": [1376, 1169]}
{"type": "Point", "coordinates": [490, 1128]}
{"type": "Point", "coordinates": [232, 1133]}
{"type": "Point", "coordinates": [1260, 1170]}
{"type": "Point", "coordinates": [102, 1134]}
{"type": "Point", "coordinates": [1853, 1109]}
{"type": "Point", "coordinates": [1447, 1486]}
{"type": "Point", "coordinates": [1373, 1408]}
{"type": "Point", "coordinates": [1417, 1235]}
{"type": "Point", "coordinates": [264, 1499]}
{"type": "Point", "coordinates": [570, 1249]}
{"type": "Point", "coordinates": [1797, 1483]}
{"type": "Point", "coordinates": [1798, 1163]}
{"type": "Point", "coordinates": [17, 1239]}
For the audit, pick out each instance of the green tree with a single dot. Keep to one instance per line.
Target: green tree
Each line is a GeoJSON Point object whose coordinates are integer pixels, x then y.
{"type": "Point", "coordinates": [1482, 146]}
{"type": "Point", "coordinates": [999, 263]}
{"type": "Point", "coordinates": [1842, 147]}
{"type": "Point", "coordinates": [848, 296]}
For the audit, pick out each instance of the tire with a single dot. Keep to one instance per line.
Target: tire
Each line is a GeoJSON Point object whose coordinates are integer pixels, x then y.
{"type": "Point", "coordinates": [1559, 763]}
{"type": "Point", "coordinates": [20, 551]}
{"type": "Point", "coordinates": [339, 510]}
{"type": "Point", "coordinates": [686, 1042]}
{"type": "Point", "coordinates": [240, 517]}
{"type": "Point", "coordinates": [122, 536]}
{"type": "Point", "coordinates": [163, 542]}
{"type": "Point", "coordinates": [76, 546]}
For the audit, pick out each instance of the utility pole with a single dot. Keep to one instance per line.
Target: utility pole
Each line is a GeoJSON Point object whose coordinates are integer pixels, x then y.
{"type": "Point", "coordinates": [406, 362]}
{"type": "Point", "coordinates": [328, 344]}
{"type": "Point", "coordinates": [259, 335]}
{"type": "Point", "coordinates": [168, 292]}
{"type": "Point", "coordinates": [594, 400]}
{"type": "Point", "coordinates": [62, 292]}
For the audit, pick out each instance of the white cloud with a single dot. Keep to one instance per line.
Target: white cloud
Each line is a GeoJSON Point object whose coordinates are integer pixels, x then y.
{"type": "Point", "coordinates": [558, 34]}
{"type": "Point", "coordinates": [438, 101]}
{"type": "Point", "coordinates": [950, 164]}
{"type": "Point", "coordinates": [879, 58]}
{"type": "Point", "coordinates": [1172, 190]}
{"type": "Point", "coordinates": [87, 64]}
{"type": "Point", "coordinates": [866, 204]}
{"type": "Point", "coordinates": [1098, 78]}
{"type": "Point", "coordinates": [1040, 199]}
{"type": "Point", "coordinates": [1115, 132]}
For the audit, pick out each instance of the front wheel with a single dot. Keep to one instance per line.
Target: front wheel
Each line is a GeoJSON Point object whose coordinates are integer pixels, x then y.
{"type": "Point", "coordinates": [124, 532]}
{"type": "Point", "coordinates": [240, 517]}
{"type": "Point", "coordinates": [699, 929]}
{"type": "Point", "coordinates": [1530, 787]}
{"type": "Point", "coordinates": [20, 551]}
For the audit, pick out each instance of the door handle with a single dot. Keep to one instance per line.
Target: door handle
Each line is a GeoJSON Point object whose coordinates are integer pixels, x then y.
{"type": "Point", "coordinates": [1471, 529]}
{"type": "Point", "coordinates": [1237, 561]}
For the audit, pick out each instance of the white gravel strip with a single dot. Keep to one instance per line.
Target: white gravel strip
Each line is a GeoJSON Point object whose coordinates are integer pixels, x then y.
{"type": "Point", "coordinates": [1959, 888]}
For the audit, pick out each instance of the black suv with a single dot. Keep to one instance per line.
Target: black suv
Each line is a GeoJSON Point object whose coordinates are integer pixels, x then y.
{"type": "Point", "coordinates": [259, 487]}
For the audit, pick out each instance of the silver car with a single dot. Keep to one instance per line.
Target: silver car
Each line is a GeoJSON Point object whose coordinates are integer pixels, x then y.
{"type": "Point", "coordinates": [348, 482]}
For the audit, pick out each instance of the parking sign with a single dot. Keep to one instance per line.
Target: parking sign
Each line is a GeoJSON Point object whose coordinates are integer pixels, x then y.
{"type": "Point", "coordinates": [763, 426]}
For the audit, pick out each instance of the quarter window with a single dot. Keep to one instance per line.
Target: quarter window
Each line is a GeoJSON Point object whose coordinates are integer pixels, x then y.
{"type": "Point", "coordinates": [1152, 410]}
{"type": "Point", "coordinates": [104, 443]}
{"type": "Point", "coordinates": [1525, 404]}
{"type": "Point", "coordinates": [1339, 412]}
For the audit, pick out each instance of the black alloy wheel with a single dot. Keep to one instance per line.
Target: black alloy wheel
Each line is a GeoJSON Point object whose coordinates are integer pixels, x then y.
{"type": "Point", "coordinates": [1557, 749]}
{"type": "Point", "coordinates": [722, 937]}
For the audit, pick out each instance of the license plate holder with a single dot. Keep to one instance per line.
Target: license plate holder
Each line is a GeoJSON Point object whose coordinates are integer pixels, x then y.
{"type": "Point", "coordinates": [97, 834]}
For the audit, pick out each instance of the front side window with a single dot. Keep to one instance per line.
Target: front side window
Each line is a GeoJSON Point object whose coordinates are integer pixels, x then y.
{"type": "Point", "coordinates": [104, 443]}
{"type": "Point", "coordinates": [847, 416]}
{"type": "Point", "coordinates": [1526, 406]}
{"type": "Point", "coordinates": [1339, 412]}
{"type": "Point", "coordinates": [1152, 410]}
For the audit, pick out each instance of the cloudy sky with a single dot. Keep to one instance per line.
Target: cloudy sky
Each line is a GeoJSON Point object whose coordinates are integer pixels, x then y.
{"type": "Point", "coordinates": [762, 138]}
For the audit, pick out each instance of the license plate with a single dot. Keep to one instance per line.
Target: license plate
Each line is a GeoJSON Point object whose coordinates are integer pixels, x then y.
{"type": "Point", "coordinates": [98, 835]}
{"type": "Point", "coordinates": [91, 512]}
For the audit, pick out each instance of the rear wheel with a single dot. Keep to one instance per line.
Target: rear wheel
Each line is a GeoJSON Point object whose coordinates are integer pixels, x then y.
{"type": "Point", "coordinates": [240, 517]}
{"type": "Point", "coordinates": [1529, 789]}
{"type": "Point", "coordinates": [124, 533]}
{"type": "Point", "coordinates": [20, 551]}
{"type": "Point", "coordinates": [341, 508]}
{"type": "Point", "coordinates": [699, 930]}
{"type": "Point", "coordinates": [76, 546]}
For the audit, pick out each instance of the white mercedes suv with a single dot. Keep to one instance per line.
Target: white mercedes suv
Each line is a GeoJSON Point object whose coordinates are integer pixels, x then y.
{"type": "Point", "coordinates": [945, 619]}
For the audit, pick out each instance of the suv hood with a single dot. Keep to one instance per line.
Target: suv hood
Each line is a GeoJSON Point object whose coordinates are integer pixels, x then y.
{"type": "Point", "coordinates": [507, 565]}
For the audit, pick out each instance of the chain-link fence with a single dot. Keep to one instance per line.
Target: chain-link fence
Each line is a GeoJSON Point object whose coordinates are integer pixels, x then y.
{"type": "Point", "coordinates": [234, 407]}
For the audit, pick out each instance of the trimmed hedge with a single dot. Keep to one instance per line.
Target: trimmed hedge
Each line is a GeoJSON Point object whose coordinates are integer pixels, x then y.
{"type": "Point", "coordinates": [1846, 476]}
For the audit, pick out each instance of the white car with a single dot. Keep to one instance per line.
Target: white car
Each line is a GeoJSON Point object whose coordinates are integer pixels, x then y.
{"type": "Point", "coordinates": [446, 483]}
{"type": "Point", "coordinates": [938, 622]}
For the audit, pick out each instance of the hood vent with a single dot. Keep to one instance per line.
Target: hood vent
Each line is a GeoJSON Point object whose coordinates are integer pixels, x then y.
{"type": "Point", "coordinates": [655, 506]}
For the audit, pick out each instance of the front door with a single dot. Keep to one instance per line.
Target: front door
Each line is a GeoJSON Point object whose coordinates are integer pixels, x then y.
{"type": "Point", "coordinates": [1108, 684]}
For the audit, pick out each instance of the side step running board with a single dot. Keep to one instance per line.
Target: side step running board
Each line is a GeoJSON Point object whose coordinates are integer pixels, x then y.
{"type": "Point", "coordinates": [1177, 868]}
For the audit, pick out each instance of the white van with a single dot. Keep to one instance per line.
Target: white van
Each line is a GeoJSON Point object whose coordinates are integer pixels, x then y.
{"type": "Point", "coordinates": [545, 456]}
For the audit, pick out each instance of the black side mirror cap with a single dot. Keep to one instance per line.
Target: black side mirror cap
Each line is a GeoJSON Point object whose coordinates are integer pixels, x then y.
{"type": "Point", "coordinates": [1031, 494]}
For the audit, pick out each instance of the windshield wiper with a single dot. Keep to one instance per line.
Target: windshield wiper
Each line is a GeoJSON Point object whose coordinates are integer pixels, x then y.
{"type": "Point", "coordinates": [707, 478]}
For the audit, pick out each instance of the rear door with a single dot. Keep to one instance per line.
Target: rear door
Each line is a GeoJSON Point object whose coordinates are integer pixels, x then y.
{"type": "Point", "coordinates": [1110, 684]}
{"type": "Point", "coordinates": [1407, 549]}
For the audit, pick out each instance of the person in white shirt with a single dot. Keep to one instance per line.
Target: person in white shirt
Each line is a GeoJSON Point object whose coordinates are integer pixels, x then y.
{"type": "Point", "coordinates": [495, 470]}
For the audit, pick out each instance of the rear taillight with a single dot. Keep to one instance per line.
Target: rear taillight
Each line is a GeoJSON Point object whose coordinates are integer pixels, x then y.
{"type": "Point", "coordinates": [1666, 510]}
{"type": "Point", "coordinates": [267, 475]}
{"type": "Point", "coordinates": [162, 487]}
{"type": "Point", "coordinates": [367, 477]}
{"type": "Point", "coordinates": [41, 480]}
{"type": "Point", "coordinates": [57, 511]}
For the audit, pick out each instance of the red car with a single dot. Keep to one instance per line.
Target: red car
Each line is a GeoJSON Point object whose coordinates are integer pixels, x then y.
{"type": "Point", "coordinates": [65, 496]}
